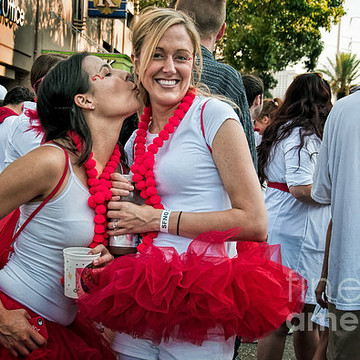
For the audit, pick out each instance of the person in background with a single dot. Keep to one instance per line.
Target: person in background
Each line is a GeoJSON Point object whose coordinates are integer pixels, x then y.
{"type": "Point", "coordinates": [23, 135]}
{"type": "Point", "coordinates": [14, 99]}
{"type": "Point", "coordinates": [265, 118]}
{"type": "Point", "coordinates": [3, 92]}
{"type": "Point", "coordinates": [336, 181]}
{"type": "Point", "coordinates": [184, 295]}
{"type": "Point", "coordinates": [82, 104]}
{"type": "Point", "coordinates": [287, 157]}
{"type": "Point", "coordinates": [254, 88]}
{"type": "Point", "coordinates": [222, 79]}
{"type": "Point", "coordinates": [13, 106]}
{"type": "Point", "coordinates": [321, 312]}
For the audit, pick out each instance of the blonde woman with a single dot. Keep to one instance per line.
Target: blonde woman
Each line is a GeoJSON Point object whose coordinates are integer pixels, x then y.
{"type": "Point", "coordinates": [193, 167]}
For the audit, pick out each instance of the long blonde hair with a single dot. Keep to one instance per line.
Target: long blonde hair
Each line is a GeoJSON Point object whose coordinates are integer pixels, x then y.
{"type": "Point", "coordinates": [146, 33]}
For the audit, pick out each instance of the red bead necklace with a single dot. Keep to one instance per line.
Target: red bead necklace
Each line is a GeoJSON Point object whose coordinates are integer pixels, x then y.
{"type": "Point", "coordinates": [144, 158]}
{"type": "Point", "coordinates": [99, 189]}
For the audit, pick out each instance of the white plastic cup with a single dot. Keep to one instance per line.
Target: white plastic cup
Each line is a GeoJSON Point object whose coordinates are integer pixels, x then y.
{"type": "Point", "coordinates": [76, 259]}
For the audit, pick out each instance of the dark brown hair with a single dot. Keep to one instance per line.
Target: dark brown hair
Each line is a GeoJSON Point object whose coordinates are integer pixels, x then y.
{"type": "Point", "coordinates": [41, 67]}
{"type": "Point", "coordinates": [306, 106]}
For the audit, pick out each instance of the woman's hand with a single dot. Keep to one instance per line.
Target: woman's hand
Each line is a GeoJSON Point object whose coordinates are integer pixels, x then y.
{"type": "Point", "coordinates": [105, 256]}
{"type": "Point", "coordinates": [16, 333]}
{"type": "Point", "coordinates": [321, 298]}
{"type": "Point", "coordinates": [130, 218]}
{"type": "Point", "coordinates": [120, 186]}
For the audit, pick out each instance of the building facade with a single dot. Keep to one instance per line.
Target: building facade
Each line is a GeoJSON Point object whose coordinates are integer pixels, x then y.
{"type": "Point", "coordinates": [31, 27]}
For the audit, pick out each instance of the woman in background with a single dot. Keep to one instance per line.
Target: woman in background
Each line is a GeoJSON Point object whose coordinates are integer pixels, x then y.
{"type": "Point", "coordinates": [286, 158]}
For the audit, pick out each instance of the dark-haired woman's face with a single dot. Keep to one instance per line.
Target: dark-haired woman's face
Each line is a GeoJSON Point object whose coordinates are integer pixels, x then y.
{"type": "Point", "coordinates": [111, 91]}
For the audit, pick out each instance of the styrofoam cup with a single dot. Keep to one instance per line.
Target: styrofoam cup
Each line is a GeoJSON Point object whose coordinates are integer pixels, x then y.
{"type": "Point", "coordinates": [75, 259]}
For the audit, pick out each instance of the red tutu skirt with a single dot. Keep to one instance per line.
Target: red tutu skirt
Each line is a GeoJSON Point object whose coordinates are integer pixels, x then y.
{"type": "Point", "coordinates": [79, 341]}
{"type": "Point", "coordinates": [159, 294]}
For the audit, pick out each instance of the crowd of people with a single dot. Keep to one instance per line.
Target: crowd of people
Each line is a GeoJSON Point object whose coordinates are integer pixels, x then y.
{"type": "Point", "coordinates": [219, 260]}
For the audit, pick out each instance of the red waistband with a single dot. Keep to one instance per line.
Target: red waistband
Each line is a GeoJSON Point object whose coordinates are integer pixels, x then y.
{"type": "Point", "coordinates": [279, 186]}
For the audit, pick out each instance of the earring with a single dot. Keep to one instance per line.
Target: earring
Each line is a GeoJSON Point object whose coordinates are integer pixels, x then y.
{"type": "Point", "coordinates": [92, 107]}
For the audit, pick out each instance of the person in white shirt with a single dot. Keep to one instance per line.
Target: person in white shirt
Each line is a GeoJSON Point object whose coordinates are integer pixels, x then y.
{"type": "Point", "coordinates": [23, 135]}
{"type": "Point", "coordinates": [13, 106]}
{"type": "Point", "coordinates": [336, 181]}
{"type": "Point", "coordinates": [287, 156]}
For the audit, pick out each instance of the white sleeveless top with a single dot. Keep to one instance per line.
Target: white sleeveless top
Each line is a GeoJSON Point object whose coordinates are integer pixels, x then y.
{"type": "Point", "coordinates": [33, 274]}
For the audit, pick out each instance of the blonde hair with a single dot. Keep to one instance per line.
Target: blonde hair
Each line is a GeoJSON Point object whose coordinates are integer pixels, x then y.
{"type": "Point", "coordinates": [146, 33]}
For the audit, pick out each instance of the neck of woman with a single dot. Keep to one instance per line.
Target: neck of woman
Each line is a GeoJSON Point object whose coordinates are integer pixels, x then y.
{"type": "Point", "coordinates": [160, 116]}
{"type": "Point", "coordinates": [104, 138]}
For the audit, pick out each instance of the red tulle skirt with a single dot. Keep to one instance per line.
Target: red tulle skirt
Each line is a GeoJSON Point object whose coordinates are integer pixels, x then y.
{"type": "Point", "coordinates": [79, 341]}
{"type": "Point", "coordinates": [159, 294]}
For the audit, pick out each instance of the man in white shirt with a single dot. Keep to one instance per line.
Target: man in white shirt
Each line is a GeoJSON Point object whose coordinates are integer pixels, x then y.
{"type": "Point", "coordinates": [336, 182]}
{"type": "Point", "coordinates": [13, 107]}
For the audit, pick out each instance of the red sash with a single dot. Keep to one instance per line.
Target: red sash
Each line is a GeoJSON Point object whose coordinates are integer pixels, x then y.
{"type": "Point", "coordinates": [5, 113]}
{"type": "Point", "coordinates": [279, 186]}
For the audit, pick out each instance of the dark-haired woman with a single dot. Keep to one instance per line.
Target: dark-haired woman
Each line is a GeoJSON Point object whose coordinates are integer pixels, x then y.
{"type": "Point", "coordinates": [82, 104]}
{"type": "Point", "coordinates": [286, 158]}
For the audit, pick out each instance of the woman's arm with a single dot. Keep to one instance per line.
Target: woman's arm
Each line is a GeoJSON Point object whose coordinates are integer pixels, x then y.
{"type": "Point", "coordinates": [320, 289]}
{"type": "Point", "coordinates": [31, 177]}
{"type": "Point", "coordinates": [232, 158]}
{"type": "Point", "coordinates": [302, 193]}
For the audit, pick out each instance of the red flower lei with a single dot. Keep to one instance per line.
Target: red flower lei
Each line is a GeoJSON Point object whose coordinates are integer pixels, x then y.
{"type": "Point", "coordinates": [144, 159]}
{"type": "Point", "coordinates": [99, 189]}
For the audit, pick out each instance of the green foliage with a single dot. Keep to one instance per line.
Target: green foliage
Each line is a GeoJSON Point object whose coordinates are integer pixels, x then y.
{"type": "Point", "coordinates": [342, 73]}
{"type": "Point", "coordinates": [159, 3]}
{"type": "Point", "coordinates": [265, 36]}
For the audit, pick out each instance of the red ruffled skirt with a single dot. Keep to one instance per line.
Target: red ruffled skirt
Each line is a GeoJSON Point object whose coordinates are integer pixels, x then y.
{"type": "Point", "coordinates": [79, 341]}
{"type": "Point", "coordinates": [159, 294]}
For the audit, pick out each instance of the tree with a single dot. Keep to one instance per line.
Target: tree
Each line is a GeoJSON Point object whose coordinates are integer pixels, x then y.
{"type": "Point", "coordinates": [265, 36]}
{"type": "Point", "coordinates": [342, 73]}
{"type": "Point", "coordinates": [159, 3]}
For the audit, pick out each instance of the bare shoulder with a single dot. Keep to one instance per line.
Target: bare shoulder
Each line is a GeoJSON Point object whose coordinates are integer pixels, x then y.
{"type": "Point", "coordinates": [49, 160]}
{"type": "Point", "coordinates": [39, 169]}
{"type": "Point", "coordinates": [31, 177]}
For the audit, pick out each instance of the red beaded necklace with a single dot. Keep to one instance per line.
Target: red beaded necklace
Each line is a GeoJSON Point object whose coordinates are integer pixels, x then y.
{"type": "Point", "coordinates": [144, 158]}
{"type": "Point", "coordinates": [99, 189]}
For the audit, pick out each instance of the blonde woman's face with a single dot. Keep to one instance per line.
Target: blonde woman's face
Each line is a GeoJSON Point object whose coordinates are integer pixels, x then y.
{"type": "Point", "coordinates": [168, 74]}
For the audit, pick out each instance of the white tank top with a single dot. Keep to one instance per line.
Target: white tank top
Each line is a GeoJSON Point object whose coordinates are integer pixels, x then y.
{"type": "Point", "coordinates": [33, 274]}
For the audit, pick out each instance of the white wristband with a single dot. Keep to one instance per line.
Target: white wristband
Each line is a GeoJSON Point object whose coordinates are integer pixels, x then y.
{"type": "Point", "coordinates": [164, 221]}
